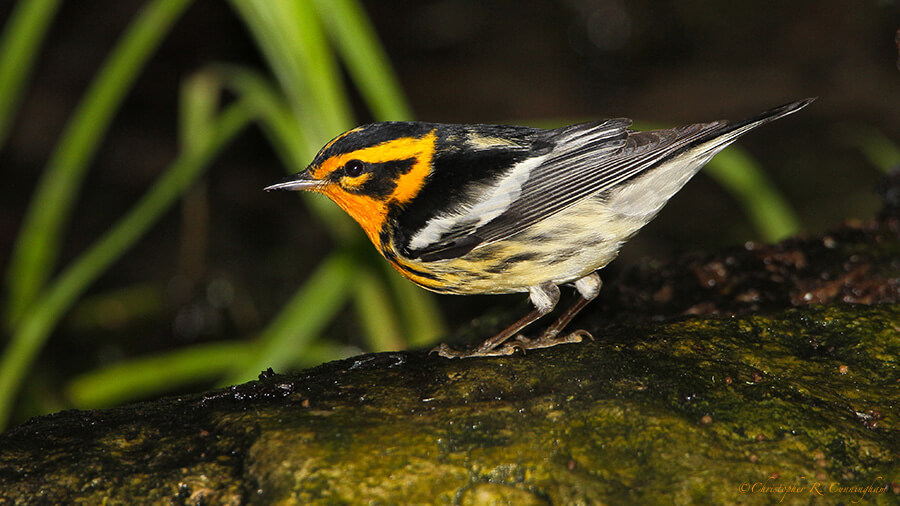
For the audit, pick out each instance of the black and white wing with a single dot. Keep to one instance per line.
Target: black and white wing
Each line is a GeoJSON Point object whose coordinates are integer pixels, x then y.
{"type": "Point", "coordinates": [585, 159]}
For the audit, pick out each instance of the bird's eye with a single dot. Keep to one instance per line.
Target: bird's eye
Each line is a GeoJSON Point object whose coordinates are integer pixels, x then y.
{"type": "Point", "coordinates": [354, 168]}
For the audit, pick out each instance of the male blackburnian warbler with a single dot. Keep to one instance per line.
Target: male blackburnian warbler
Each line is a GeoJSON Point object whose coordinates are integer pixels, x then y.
{"type": "Point", "coordinates": [490, 209]}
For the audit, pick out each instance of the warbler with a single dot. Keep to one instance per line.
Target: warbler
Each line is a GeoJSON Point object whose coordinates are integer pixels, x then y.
{"type": "Point", "coordinates": [494, 209]}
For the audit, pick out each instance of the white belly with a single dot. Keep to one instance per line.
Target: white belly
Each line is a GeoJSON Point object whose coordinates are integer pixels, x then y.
{"type": "Point", "coordinates": [572, 243]}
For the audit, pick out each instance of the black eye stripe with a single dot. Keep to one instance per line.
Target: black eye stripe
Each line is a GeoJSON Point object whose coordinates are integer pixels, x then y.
{"type": "Point", "coordinates": [354, 168]}
{"type": "Point", "coordinates": [384, 177]}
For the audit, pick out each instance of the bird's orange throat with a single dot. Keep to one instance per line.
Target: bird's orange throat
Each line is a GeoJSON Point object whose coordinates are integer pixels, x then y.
{"type": "Point", "coordinates": [370, 213]}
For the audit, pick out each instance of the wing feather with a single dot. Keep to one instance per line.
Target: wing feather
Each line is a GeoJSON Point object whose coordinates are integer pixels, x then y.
{"type": "Point", "coordinates": [576, 173]}
{"type": "Point", "coordinates": [586, 159]}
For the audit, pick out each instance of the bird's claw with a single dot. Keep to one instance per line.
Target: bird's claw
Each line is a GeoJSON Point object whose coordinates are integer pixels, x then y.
{"type": "Point", "coordinates": [548, 340]}
{"type": "Point", "coordinates": [501, 351]}
{"type": "Point", "coordinates": [520, 343]}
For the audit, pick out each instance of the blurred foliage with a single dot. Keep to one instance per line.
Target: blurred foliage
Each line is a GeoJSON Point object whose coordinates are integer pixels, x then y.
{"type": "Point", "coordinates": [303, 102]}
{"type": "Point", "coordinates": [736, 171]}
{"type": "Point", "coordinates": [299, 108]}
{"type": "Point", "coordinates": [879, 150]}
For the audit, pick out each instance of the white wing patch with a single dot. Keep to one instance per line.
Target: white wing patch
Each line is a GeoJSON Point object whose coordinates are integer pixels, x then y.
{"type": "Point", "coordinates": [493, 200]}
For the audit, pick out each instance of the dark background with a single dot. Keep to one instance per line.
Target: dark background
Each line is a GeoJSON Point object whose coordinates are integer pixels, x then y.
{"type": "Point", "coordinates": [511, 61]}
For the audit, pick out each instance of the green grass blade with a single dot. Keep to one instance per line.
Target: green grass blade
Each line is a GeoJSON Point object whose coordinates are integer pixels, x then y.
{"type": "Point", "coordinates": [290, 141]}
{"type": "Point", "coordinates": [308, 312]}
{"type": "Point", "coordinates": [322, 350]}
{"type": "Point", "coordinates": [763, 204]}
{"type": "Point", "coordinates": [261, 18]}
{"type": "Point", "coordinates": [40, 319]}
{"type": "Point", "coordinates": [365, 59]}
{"type": "Point", "coordinates": [376, 312]}
{"type": "Point", "coordinates": [118, 308]}
{"type": "Point", "coordinates": [420, 314]}
{"type": "Point", "coordinates": [878, 149]}
{"type": "Point", "coordinates": [291, 38]}
{"type": "Point", "coordinates": [19, 43]}
{"type": "Point", "coordinates": [303, 63]}
{"type": "Point", "coordinates": [370, 68]}
{"type": "Point", "coordinates": [38, 242]}
{"type": "Point", "coordinates": [146, 376]}
{"type": "Point", "coordinates": [157, 374]}
{"type": "Point", "coordinates": [308, 42]}
{"type": "Point", "coordinates": [198, 106]}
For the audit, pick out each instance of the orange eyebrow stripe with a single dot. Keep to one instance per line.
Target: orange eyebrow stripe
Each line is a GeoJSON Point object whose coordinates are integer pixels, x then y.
{"type": "Point", "coordinates": [408, 184]}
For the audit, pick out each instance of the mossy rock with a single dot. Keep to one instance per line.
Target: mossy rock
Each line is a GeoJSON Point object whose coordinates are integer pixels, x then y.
{"type": "Point", "coordinates": [688, 411]}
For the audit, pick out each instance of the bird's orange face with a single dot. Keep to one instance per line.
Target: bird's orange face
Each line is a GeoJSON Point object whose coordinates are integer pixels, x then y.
{"type": "Point", "coordinates": [366, 178]}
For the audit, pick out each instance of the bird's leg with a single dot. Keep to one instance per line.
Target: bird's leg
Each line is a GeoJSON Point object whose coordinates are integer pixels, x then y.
{"type": "Point", "coordinates": [588, 287]}
{"type": "Point", "coordinates": [544, 297]}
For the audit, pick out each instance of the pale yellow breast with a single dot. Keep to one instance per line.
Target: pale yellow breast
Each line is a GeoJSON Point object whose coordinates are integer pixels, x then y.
{"type": "Point", "coordinates": [572, 243]}
{"type": "Point", "coordinates": [561, 249]}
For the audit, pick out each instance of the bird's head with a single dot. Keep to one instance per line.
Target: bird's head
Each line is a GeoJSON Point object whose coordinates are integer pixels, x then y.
{"type": "Point", "coordinates": [369, 169]}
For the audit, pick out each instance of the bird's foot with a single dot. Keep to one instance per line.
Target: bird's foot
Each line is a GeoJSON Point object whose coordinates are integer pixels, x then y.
{"type": "Point", "coordinates": [498, 351]}
{"type": "Point", "coordinates": [519, 344]}
{"type": "Point", "coordinates": [548, 340]}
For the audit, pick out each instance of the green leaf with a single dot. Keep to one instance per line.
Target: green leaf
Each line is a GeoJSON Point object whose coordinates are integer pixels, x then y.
{"type": "Point", "coordinates": [198, 106]}
{"type": "Point", "coordinates": [878, 149]}
{"type": "Point", "coordinates": [368, 64]}
{"type": "Point", "coordinates": [19, 44]}
{"type": "Point", "coordinates": [37, 244]}
{"type": "Point", "coordinates": [420, 314]}
{"type": "Point", "coordinates": [289, 336]}
{"type": "Point", "coordinates": [131, 380]}
{"type": "Point", "coordinates": [291, 142]}
{"type": "Point", "coordinates": [763, 204]}
{"type": "Point", "coordinates": [38, 321]}
{"type": "Point", "coordinates": [290, 36]}
{"type": "Point", "coordinates": [374, 306]}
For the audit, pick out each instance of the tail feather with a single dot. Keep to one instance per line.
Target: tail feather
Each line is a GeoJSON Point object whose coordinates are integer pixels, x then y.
{"type": "Point", "coordinates": [717, 139]}
{"type": "Point", "coordinates": [773, 114]}
{"type": "Point", "coordinates": [648, 191]}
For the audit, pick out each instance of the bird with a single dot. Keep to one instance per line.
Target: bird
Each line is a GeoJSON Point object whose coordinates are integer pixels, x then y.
{"type": "Point", "coordinates": [497, 209]}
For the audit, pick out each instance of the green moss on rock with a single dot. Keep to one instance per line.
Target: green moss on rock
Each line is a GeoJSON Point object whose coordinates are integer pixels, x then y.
{"type": "Point", "coordinates": [678, 412]}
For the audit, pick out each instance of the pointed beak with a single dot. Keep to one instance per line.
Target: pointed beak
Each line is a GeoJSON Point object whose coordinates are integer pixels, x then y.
{"type": "Point", "coordinates": [299, 181]}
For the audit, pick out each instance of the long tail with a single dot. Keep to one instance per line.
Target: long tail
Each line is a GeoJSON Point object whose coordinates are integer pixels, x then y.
{"type": "Point", "coordinates": [716, 139]}
{"type": "Point", "coordinates": [690, 148]}
{"type": "Point", "coordinates": [770, 115]}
